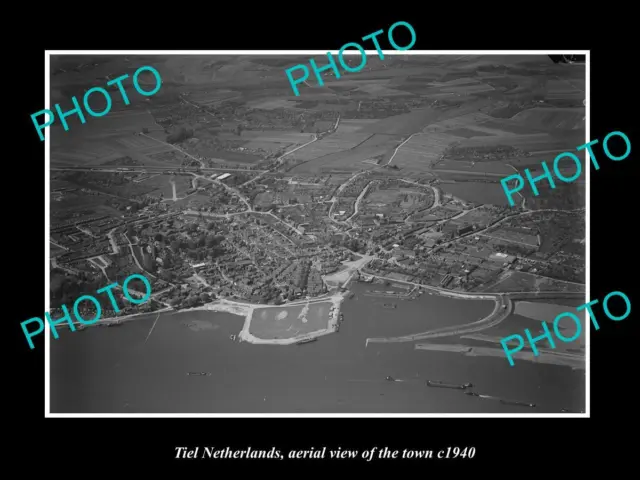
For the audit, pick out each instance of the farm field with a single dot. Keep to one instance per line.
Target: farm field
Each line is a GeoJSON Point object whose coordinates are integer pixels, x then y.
{"type": "Point", "coordinates": [275, 140]}
{"type": "Point", "coordinates": [225, 156]}
{"type": "Point", "coordinates": [404, 124]}
{"type": "Point", "coordinates": [336, 142]}
{"type": "Point", "coordinates": [207, 98]}
{"type": "Point", "coordinates": [271, 103]}
{"type": "Point", "coordinates": [114, 123]}
{"type": "Point", "coordinates": [352, 126]}
{"type": "Point", "coordinates": [371, 149]}
{"type": "Point", "coordinates": [552, 118]}
{"type": "Point", "coordinates": [86, 153]}
{"type": "Point", "coordinates": [468, 120]}
{"type": "Point", "coordinates": [422, 150]}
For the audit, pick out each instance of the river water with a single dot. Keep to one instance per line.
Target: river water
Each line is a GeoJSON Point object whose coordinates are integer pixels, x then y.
{"type": "Point", "coordinates": [114, 370]}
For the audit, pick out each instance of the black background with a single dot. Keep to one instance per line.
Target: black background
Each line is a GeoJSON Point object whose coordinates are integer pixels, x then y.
{"type": "Point", "coordinates": [510, 447]}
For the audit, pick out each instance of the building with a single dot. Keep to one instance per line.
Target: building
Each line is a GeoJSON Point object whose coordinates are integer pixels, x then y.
{"type": "Point", "coordinates": [465, 229]}
{"type": "Point", "coordinates": [502, 258]}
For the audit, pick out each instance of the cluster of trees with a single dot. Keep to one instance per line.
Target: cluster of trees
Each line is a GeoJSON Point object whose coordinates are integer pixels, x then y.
{"type": "Point", "coordinates": [187, 299]}
{"type": "Point", "coordinates": [352, 244]}
{"type": "Point", "coordinates": [180, 135]}
{"type": "Point", "coordinates": [65, 291]}
{"type": "Point", "coordinates": [210, 241]}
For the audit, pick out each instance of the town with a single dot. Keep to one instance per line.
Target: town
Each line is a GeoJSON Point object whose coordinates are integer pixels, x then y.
{"type": "Point", "coordinates": [350, 239]}
{"type": "Point", "coordinates": [269, 224]}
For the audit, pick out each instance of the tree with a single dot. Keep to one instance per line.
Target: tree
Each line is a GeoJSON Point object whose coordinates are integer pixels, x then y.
{"type": "Point", "coordinates": [180, 135]}
{"type": "Point", "coordinates": [175, 245]}
{"type": "Point", "coordinates": [210, 241]}
{"type": "Point", "coordinates": [166, 275]}
{"type": "Point", "coordinates": [159, 237]}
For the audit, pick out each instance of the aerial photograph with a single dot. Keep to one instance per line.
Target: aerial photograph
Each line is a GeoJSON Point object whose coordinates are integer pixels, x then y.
{"type": "Point", "coordinates": [349, 250]}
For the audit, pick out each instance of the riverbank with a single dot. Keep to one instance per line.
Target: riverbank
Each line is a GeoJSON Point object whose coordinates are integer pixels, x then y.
{"type": "Point", "coordinates": [116, 320]}
{"type": "Point", "coordinates": [576, 362]}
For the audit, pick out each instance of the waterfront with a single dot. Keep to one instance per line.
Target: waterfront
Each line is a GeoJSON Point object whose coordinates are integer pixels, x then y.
{"type": "Point", "coordinates": [102, 370]}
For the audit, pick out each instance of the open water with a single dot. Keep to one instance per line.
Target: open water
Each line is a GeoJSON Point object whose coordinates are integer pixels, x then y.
{"type": "Point", "coordinates": [114, 370]}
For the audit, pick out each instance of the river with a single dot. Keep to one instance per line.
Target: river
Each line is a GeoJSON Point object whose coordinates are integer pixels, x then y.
{"type": "Point", "coordinates": [114, 370]}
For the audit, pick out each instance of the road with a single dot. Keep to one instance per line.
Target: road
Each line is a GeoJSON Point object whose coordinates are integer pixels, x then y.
{"type": "Point", "coordinates": [135, 259]}
{"type": "Point", "coordinates": [334, 199]}
{"type": "Point", "coordinates": [173, 188]}
{"type": "Point", "coordinates": [524, 199]}
{"type": "Point", "coordinates": [357, 203]}
{"type": "Point", "coordinates": [112, 240]}
{"type": "Point", "coordinates": [400, 146]}
{"type": "Point", "coordinates": [57, 245]}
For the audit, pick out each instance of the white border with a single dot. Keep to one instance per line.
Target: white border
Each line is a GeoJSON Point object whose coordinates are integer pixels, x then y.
{"type": "Point", "coordinates": [48, 53]}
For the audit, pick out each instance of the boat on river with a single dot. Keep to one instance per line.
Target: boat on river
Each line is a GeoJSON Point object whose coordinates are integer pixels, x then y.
{"type": "Point", "coordinates": [439, 384]}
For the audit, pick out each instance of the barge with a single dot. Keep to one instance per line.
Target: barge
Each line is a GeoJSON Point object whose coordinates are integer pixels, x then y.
{"type": "Point", "coordinates": [436, 383]}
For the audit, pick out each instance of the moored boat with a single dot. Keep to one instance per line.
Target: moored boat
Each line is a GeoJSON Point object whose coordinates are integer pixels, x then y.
{"type": "Point", "coordinates": [436, 383]}
{"type": "Point", "coordinates": [518, 404]}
